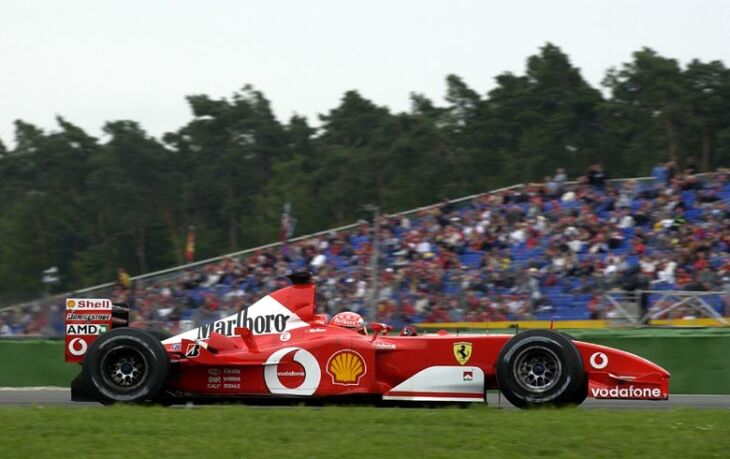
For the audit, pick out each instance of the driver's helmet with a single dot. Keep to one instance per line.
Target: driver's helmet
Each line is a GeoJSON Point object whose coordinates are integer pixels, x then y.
{"type": "Point", "coordinates": [351, 320]}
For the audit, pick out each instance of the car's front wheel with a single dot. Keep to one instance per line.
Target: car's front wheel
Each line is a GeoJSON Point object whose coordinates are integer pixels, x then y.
{"type": "Point", "coordinates": [540, 368]}
{"type": "Point", "coordinates": [126, 365]}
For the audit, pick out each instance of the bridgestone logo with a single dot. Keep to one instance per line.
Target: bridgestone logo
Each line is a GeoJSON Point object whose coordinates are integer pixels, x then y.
{"type": "Point", "coordinates": [89, 317]}
{"type": "Point", "coordinates": [270, 323]}
{"type": "Point", "coordinates": [626, 392]}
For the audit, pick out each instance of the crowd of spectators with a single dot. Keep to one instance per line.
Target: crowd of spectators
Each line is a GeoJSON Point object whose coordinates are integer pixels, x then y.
{"type": "Point", "coordinates": [547, 251]}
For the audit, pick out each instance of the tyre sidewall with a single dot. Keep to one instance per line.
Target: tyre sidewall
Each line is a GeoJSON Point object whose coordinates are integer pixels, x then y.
{"type": "Point", "coordinates": [153, 353]}
{"type": "Point", "coordinates": [571, 379]}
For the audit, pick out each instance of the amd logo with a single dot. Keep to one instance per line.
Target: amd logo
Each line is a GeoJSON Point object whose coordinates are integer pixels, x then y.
{"type": "Point", "coordinates": [86, 329]}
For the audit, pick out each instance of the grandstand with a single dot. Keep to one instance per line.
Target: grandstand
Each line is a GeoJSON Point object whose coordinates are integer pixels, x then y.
{"type": "Point", "coordinates": [550, 251]}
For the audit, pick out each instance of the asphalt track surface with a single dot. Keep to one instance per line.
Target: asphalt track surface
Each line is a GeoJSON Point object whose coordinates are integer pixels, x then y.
{"type": "Point", "coordinates": [56, 396]}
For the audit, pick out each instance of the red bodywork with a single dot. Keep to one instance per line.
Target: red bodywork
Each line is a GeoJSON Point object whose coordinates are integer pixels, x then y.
{"type": "Point", "coordinates": [279, 347]}
{"type": "Point", "coordinates": [85, 320]}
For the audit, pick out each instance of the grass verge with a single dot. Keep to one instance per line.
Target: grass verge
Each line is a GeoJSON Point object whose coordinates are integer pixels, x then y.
{"type": "Point", "coordinates": [361, 432]}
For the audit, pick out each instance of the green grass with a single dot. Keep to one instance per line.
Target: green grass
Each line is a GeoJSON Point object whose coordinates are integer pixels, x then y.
{"type": "Point", "coordinates": [360, 432]}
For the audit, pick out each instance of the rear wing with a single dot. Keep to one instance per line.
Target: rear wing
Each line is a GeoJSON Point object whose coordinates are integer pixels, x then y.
{"type": "Point", "coordinates": [86, 319]}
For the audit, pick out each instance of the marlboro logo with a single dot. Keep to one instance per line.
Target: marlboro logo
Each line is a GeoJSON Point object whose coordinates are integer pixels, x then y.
{"type": "Point", "coordinates": [269, 323]}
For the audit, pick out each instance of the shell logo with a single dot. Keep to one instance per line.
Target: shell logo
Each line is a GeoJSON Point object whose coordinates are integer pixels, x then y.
{"type": "Point", "coordinates": [70, 304]}
{"type": "Point", "coordinates": [346, 368]}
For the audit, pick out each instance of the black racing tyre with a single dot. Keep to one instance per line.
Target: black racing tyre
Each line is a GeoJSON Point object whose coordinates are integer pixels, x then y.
{"type": "Point", "coordinates": [126, 365]}
{"type": "Point", "coordinates": [159, 334]}
{"type": "Point", "coordinates": [541, 368]}
{"type": "Point", "coordinates": [580, 395]}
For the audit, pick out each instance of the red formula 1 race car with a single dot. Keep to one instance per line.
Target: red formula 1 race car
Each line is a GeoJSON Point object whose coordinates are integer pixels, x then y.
{"type": "Point", "coordinates": [280, 348]}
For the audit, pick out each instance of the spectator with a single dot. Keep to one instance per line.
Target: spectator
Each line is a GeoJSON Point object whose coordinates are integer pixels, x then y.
{"type": "Point", "coordinates": [123, 280]}
{"type": "Point", "coordinates": [560, 178]}
{"type": "Point", "coordinates": [671, 172]}
{"type": "Point", "coordinates": [596, 177]}
{"type": "Point", "coordinates": [660, 173]}
{"type": "Point", "coordinates": [552, 188]}
{"type": "Point", "coordinates": [511, 255]}
{"type": "Point", "coordinates": [5, 329]}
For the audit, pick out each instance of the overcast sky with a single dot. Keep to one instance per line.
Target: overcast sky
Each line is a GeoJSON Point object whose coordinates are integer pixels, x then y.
{"type": "Point", "coordinates": [95, 60]}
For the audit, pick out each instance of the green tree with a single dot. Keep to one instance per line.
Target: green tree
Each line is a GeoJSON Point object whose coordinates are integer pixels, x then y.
{"type": "Point", "coordinates": [708, 87]}
{"type": "Point", "coordinates": [86, 206]}
{"type": "Point", "coordinates": [133, 192]}
{"type": "Point", "coordinates": [227, 153]}
{"type": "Point", "coordinates": [646, 110]}
{"type": "Point", "coordinates": [44, 211]}
{"type": "Point", "coordinates": [545, 119]}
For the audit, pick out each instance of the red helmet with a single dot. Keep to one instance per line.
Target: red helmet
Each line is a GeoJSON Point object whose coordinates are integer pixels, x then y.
{"type": "Point", "coordinates": [351, 320]}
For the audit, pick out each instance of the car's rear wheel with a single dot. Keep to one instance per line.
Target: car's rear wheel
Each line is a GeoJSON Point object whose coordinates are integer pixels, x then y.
{"type": "Point", "coordinates": [159, 334]}
{"type": "Point", "coordinates": [126, 365]}
{"type": "Point", "coordinates": [540, 368]}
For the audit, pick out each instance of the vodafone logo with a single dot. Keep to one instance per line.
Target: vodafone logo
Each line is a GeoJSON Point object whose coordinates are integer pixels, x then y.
{"type": "Point", "coordinates": [77, 346]}
{"type": "Point", "coordinates": [629, 392]}
{"type": "Point", "coordinates": [599, 360]}
{"type": "Point", "coordinates": [302, 368]}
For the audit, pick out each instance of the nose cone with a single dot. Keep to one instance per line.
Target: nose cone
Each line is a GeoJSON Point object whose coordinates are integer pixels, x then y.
{"type": "Point", "coordinates": [606, 359]}
{"type": "Point", "coordinates": [613, 373]}
{"type": "Point", "coordinates": [640, 365]}
{"type": "Point", "coordinates": [659, 369]}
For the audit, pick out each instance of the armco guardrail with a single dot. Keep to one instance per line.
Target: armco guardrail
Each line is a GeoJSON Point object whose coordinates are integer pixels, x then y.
{"type": "Point", "coordinates": [696, 358]}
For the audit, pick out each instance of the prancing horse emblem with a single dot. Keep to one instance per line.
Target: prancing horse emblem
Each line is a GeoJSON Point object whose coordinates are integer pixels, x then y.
{"type": "Point", "coordinates": [462, 352]}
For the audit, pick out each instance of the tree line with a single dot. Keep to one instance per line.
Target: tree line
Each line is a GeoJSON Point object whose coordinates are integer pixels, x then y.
{"type": "Point", "coordinates": [89, 205]}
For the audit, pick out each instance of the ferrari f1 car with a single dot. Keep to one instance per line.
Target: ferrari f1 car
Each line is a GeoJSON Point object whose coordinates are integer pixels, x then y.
{"type": "Point", "coordinates": [280, 348]}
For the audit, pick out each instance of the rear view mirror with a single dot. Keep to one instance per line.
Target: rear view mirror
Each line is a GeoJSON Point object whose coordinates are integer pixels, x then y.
{"type": "Point", "coordinates": [378, 327]}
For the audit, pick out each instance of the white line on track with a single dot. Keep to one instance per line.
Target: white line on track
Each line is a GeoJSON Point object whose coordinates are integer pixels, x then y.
{"type": "Point", "coordinates": [30, 389]}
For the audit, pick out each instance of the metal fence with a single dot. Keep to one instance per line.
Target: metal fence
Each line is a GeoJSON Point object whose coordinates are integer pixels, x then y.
{"type": "Point", "coordinates": [639, 307]}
